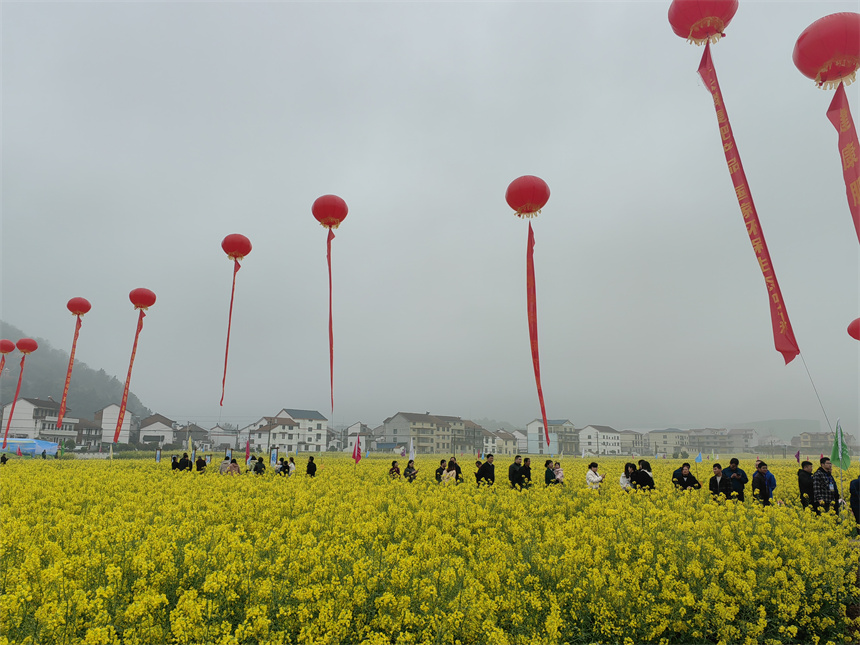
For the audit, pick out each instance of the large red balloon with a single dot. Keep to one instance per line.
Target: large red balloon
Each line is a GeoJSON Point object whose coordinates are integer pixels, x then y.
{"type": "Point", "coordinates": [329, 210]}
{"type": "Point", "coordinates": [527, 195]}
{"type": "Point", "coordinates": [828, 51]}
{"type": "Point", "coordinates": [236, 246]}
{"type": "Point", "coordinates": [27, 345]}
{"type": "Point", "coordinates": [701, 20]}
{"type": "Point", "coordinates": [79, 306]}
{"type": "Point", "coordinates": [6, 346]}
{"type": "Point", "coordinates": [142, 298]}
{"type": "Point", "coordinates": [854, 329]}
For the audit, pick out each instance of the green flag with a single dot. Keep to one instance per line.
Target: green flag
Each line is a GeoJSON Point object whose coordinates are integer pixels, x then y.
{"type": "Point", "coordinates": [840, 455]}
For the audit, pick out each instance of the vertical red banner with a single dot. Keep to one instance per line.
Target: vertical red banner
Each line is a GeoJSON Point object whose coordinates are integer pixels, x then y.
{"type": "Point", "coordinates": [124, 402]}
{"type": "Point", "coordinates": [14, 401]}
{"type": "Point", "coordinates": [783, 335]}
{"type": "Point", "coordinates": [62, 411]}
{"type": "Point", "coordinates": [531, 299]}
{"type": "Point", "coordinates": [839, 114]}
{"type": "Point", "coordinates": [236, 267]}
{"type": "Point", "coordinates": [330, 327]}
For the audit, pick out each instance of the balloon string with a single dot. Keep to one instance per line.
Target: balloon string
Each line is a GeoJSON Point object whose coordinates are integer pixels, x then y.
{"type": "Point", "coordinates": [236, 268]}
{"type": "Point", "coordinates": [14, 401]}
{"type": "Point", "coordinates": [124, 401]}
{"type": "Point", "coordinates": [815, 389]}
{"type": "Point", "coordinates": [330, 326]}
{"type": "Point", "coordinates": [531, 298]}
{"type": "Point", "coordinates": [62, 411]}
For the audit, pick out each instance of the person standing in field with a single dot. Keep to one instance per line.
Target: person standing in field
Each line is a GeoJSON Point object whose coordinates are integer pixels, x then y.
{"type": "Point", "coordinates": [592, 477]}
{"type": "Point", "coordinates": [677, 473]}
{"type": "Point", "coordinates": [450, 474]}
{"type": "Point", "coordinates": [738, 478]}
{"type": "Point", "coordinates": [457, 469]}
{"type": "Point", "coordinates": [558, 471]}
{"type": "Point", "coordinates": [804, 484]}
{"type": "Point", "coordinates": [526, 473]}
{"type": "Point", "coordinates": [514, 472]}
{"type": "Point", "coordinates": [394, 471]}
{"type": "Point", "coordinates": [410, 472]}
{"type": "Point", "coordinates": [312, 467]}
{"type": "Point", "coordinates": [291, 466]}
{"type": "Point", "coordinates": [626, 479]}
{"type": "Point", "coordinates": [224, 467]}
{"type": "Point", "coordinates": [259, 467]}
{"type": "Point", "coordinates": [440, 471]}
{"type": "Point", "coordinates": [487, 472]}
{"type": "Point", "coordinates": [824, 488]}
{"type": "Point", "coordinates": [548, 473]}
{"type": "Point", "coordinates": [687, 480]}
{"type": "Point", "coordinates": [760, 487]}
{"type": "Point", "coordinates": [200, 464]}
{"type": "Point", "coordinates": [174, 463]}
{"type": "Point", "coordinates": [234, 468]}
{"type": "Point", "coordinates": [854, 499]}
{"type": "Point", "coordinates": [642, 478]}
{"type": "Point", "coordinates": [185, 462]}
{"type": "Point", "coordinates": [720, 484]}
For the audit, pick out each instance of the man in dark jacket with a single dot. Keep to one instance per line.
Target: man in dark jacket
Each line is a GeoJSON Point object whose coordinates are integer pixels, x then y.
{"type": "Point", "coordinates": [686, 480]}
{"type": "Point", "coordinates": [487, 472]}
{"type": "Point", "coordinates": [441, 470]}
{"type": "Point", "coordinates": [185, 462]}
{"type": "Point", "coordinates": [738, 478]}
{"type": "Point", "coordinates": [825, 492]}
{"type": "Point", "coordinates": [677, 473]}
{"type": "Point", "coordinates": [720, 484]}
{"type": "Point", "coordinates": [312, 467]}
{"type": "Point", "coordinates": [526, 473]}
{"type": "Point", "coordinates": [514, 475]}
{"type": "Point", "coordinates": [854, 491]}
{"type": "Point", "coordinates": [804, 483]}
{"type": "Point", "coordinates": [760, 489]}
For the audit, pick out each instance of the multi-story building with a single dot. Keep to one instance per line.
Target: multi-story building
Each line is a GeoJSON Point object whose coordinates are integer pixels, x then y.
{"type": "Point", "coordinates": [813, 442]}
{"type": "Point", "coordinates": [356, 430]}
{"type": "Point", "coordinates": [562, 437]}
{"type": "Point", "coordinates": [506, 443]}
{"type": "Point", "coordinates": [158, 430]}
{"type": "Point", "coordinates": [634, 442]}
{"type": "Point", "coordinates": [223, 438]}
{"type": "Point", "coordinates": [668, 441]}
{"type": "Point", "coordinates": [89, 434]}
{"type": "Point", "coordinates": [107, 419]}
{"type": "Point", "coordinates": [599, 440]}
{"type": "Point", "coordinates": [290, 430]}
{"type": "Point", "coordinates": [423, 431]}
{"type": "Point", "coordinates": [37, 419]}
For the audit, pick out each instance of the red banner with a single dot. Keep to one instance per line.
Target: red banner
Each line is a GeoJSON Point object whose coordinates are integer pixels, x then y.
{"type": "Point", "coordinates": [124, 402]}
{"type": "Point", "coordinates": [531, 298]}
{"type": "Point", "coordinates": [62, 411]}
{"type": "Point", "coordinates": [783, 336]}
{"type": "Point", "coordinates": [236, 267]}
{"type": "Point", "coordinates": [839, 114]}
{"type": "Point", "coordinates": [14, 401]}
{"type": "Point", "coordinates": [2, 364]}
{"type": "Point", "coordinates": [330, 328]}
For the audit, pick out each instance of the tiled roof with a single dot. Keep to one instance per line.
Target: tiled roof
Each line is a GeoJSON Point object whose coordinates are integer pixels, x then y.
{"type": "Point", "coordinates": [311, 415]}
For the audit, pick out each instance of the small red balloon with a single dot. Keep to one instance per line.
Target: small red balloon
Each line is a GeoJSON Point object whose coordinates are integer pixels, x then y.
{"type": "Point", "coordinates": [79, 306]}
{"type": "Point", "coordinates": [27, 345]}
{"type": "Point", "coordinates": [329, 210]}
{"type": "Point", "coordinates": [828, 51]}
{"type": "Point", "coordinates": [142, 298]}
{"type": "Point", "coordinates": [236, 246]}
{"type": "Point", "coordinates": [6, 346]}
{"type": "Point", "coordinates": [527, 195]}
{"type": "Point", "coordinates": [701, 20]}
{"type": "Point", "coordinates": [854, 329]}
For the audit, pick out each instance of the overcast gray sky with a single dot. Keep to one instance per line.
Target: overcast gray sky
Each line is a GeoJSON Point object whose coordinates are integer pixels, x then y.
{"type": "Point", "coordinates": [136, 136]}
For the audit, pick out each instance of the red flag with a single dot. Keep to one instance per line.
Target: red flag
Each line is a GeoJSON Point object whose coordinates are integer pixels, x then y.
{"type": "Point", "coordinates": [839, 114]}
{"type": "Point", "coordinates": [248, 449]}
{"type": "Point", "coordinates": [14, 401]}
{"type": "Point", "coordinates": [356, 449]}
{"type": "Point", "coordinates": [797, 456]}
{"type": "Point", "coordinates": [124, 401]}
{"type": "Point", "coordinates": [531, 298]}
{"type": "Point", "coordinates": [62, 411]}
{"type": "Point", "coordinates": [783, 336]}
{"type": "Point", "coordinates": [18, 452]}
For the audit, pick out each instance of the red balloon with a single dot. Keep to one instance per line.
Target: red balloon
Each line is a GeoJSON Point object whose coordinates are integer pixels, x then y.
{"type": "Point", "coordinates": [6, 346]}
{"type": "Point", "coordinates": [527, 195]}
{"type": "Point", "coordinates": [854, 329]}
{"type": "Point", "coordinates": [701, 20]}
{"type": "Point", "coordinates": [236, 246]}
{"type": "Point", "coordinates": [79, 306]}
{"type": "Point", "coordinates": [27, 345]}
{"type": "Point", "coordinates": [142, 298]}
{"type": "Point", "coordinates": [828, 50]}
{"type": "Point", "coordinates": [329, 210]}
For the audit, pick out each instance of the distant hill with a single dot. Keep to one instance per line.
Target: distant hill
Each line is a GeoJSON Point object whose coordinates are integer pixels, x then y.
{"type": "Point", "coordinates": [45, 375]}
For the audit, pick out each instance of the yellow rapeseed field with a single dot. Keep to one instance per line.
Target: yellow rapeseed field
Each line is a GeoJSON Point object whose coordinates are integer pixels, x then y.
{"type": "Point", "coordinates": [131, 552]}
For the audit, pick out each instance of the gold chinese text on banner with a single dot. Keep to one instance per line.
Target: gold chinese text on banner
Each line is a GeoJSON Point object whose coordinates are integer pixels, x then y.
{"type": "Point", "coordinates": [849, 151]}
{"type": "Point", "coordinates": [783, 336]}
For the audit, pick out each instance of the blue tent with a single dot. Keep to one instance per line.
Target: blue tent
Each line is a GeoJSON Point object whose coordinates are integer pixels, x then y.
{"type": "Point", "coordinates": [32, 447]}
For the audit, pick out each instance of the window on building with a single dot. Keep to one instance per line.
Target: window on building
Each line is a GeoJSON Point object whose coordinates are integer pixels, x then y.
{"type": "Point", "coordinates": [319, 426]}
{"type": "Point", "coordinates": [259, 435]}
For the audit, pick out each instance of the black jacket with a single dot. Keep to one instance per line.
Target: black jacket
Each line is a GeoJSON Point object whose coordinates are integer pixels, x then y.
{"type": "Point", "coordinates": [642, 479]}
{"type": "Point", "coordinates": [525, 475]}
{"type": "Point", "coordinates": [185, 464]}
{"type": "Point", "coordinates": [487, 473]}
{"type": "Point", "coordinates": [439, 472]}
{"type": "Point", "coordinates": [724, 487]}
{"type": "Point", "coordinates": [804, 484]}
{"type": "Point", "coordinates": [514, 475]}
{"type": "Point", "coordinates": [760, 488]}
{"type": "Point", "coordinates": [312, 469]}
{"type": "Point", "coordinates": [687, 482]}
